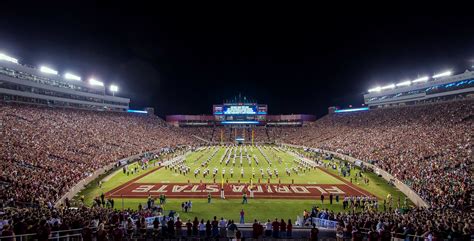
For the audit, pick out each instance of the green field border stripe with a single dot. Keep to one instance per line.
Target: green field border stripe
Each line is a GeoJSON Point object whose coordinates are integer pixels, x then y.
{"type": "Point", "coordinates": [349, 184]}
{"type": "Point", "coordinates": [111, 192]}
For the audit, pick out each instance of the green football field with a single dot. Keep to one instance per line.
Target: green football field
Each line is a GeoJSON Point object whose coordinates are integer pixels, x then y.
{"type": "Point", "coordinates": [195, 159]}
{"type": "Point", "coordinates": [258, 208]}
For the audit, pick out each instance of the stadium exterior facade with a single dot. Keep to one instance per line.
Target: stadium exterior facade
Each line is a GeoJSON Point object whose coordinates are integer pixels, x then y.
{"type": "Point", "coordinates": [24, 84]}
{"type": "Point", "coordinates": [449, 87]}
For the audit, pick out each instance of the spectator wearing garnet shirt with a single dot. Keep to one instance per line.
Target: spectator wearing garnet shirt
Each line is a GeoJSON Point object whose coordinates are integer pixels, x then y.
{"type": "Point", "coordinates": [215, 227]}
{"type": "Point", "coordinates": [282, 228]}
{"type": "Point", "coordinates": [289, 229]}
{"type": "Point", "coordinates": [255, 231]}
{"type": "Point", "coordinates": [276, 228]}
{"type": "Point", "coordinates": [208, 229]}
{"type": "Point", "coordinates": [189, 228]}
{"type": "Point", "coordinates": [195, 226]}
{"type": "Point", "coordinates": [179, 227]}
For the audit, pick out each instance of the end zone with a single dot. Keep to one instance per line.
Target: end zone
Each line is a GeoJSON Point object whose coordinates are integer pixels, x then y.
{"type": "Point", "coordinates": [235, 190]}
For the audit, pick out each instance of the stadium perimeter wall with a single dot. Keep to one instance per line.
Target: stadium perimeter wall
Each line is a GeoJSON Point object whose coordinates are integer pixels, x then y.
{"type": "Point", "coordinates": [405, 189]}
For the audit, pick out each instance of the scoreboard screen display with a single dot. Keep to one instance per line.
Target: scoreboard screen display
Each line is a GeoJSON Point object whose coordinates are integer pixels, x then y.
{"type": "Point", "coordinates": [240, 113]}
{"type": "Point", "coordinates": [240, 110]}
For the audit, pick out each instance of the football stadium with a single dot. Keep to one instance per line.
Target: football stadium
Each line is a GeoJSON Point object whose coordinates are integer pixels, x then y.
{"type": "Point", "coordinates": [80, 162]}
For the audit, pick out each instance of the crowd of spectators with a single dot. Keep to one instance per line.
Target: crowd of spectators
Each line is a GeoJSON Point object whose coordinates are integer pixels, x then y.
{"type": "Point", "coordinates": [416, 224]}
{"type": "Point", "coordinates": [429, 147]}
{"type": "Point", "coordinates": [205, 133]}
{"type": "Point", "coordinates": [46, 151]}
{"type": "Point", "coordinates": [111, 224]}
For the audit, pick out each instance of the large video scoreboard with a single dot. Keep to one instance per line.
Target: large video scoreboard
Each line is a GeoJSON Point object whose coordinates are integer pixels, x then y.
{"type": "Point", "coordinates": [240, 113]}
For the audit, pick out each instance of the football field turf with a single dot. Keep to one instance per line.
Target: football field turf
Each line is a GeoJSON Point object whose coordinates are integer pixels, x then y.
{"type": "Point", "coordinates": [314, 176]}
{"type": "Point", "coordinates": [283, 197]}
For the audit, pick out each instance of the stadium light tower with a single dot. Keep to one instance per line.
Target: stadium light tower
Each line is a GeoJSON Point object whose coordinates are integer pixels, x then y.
{"type": "Point", "coordinates": [47, 70]}
{"type": "Point", "coordinates": [95, 82]}
{"type": "Point", "coordinates": [442, 74]}
{"type": "Point", "coordinates": [8, 58]}
{"type": "Point", "coordinates": [113, 89]}
{"type": "Point", "coordinates": [72, 77]}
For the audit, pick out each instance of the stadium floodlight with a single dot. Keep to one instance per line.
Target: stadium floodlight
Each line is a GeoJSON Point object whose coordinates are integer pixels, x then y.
{"type": "Point", "coordinates": [443, 74]}
{"type": "Point", "coordinates": [391, 86]}
{"type": "Point", "coordinates": [376, 89]}
{"type": "Point", "coordinates": [47, 70]}
{"type": "Point", "coordinates": [114, 89]}
{"type": "Point", "coordinates": [72, 77]}
{"type": "Point", "coordinates": [404, 83]}
{"type": "Point", "coordinates": [8, 58]}
{"type": "Point", "coordinates": [421, 79]}
{"type": "Point", "coordinates": [95, 82]}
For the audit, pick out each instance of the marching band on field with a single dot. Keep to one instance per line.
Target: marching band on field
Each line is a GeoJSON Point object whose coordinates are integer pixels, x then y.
{"type": "Point", "coordinates": [229, 159]}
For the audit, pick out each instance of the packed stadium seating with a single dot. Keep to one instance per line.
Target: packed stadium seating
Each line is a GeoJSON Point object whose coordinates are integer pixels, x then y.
{"type": "Point", "coordinates": [429, 147]}
{"type": "Point", "coordinates": [205, 133]}
{"type": "Point", "coordinates": [39, 145]}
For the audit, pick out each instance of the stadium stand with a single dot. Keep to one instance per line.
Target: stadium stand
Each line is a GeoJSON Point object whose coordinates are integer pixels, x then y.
{"type": "Point", "coordinates": [429, 146]}
{"type": "Point", "coordinates": [418, 224]}
{"type": "Point", "coordinates": [40, 143]}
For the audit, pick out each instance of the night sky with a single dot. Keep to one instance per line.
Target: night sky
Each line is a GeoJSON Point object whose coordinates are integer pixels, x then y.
{"type": "Point", "coordinates": [182, 64]}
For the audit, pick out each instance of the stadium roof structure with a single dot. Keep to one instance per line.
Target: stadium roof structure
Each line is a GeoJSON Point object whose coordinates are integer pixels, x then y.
{"type": "Point", "coordinates": [44, 85]}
